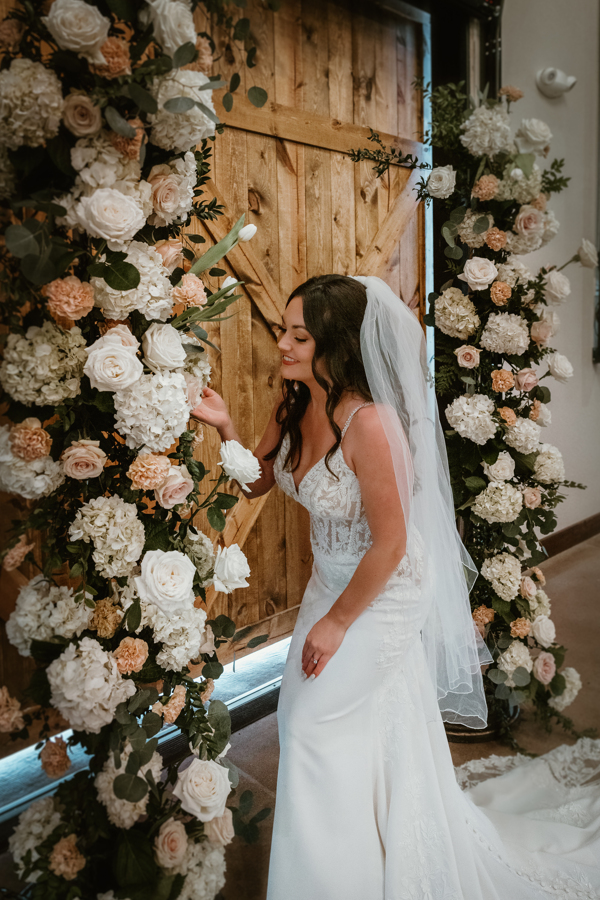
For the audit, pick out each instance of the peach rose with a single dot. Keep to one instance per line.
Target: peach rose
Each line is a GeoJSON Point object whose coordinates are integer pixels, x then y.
{"type": "Point", "coordinates": [485, 188]}
{"type": "Point", "coordinates": [11, 32]}
{"type": "Point", "coordinates": [176, 487]}
{"type": "Point", "coordinates": [131, 654]}
{"type": "Point", "coordinates": [190, 291]}
{"type": "Point", "coordinates": [220, 829]}
{"type": "Point", "coordinates": [539, 575]}
{"type": "Point", "coordinates": [527, 590]}
{"type": "Point", "coordinates": [83, 459]}
{"type": "Point", "coordinates": [526, 380]}
{"type": "Point", "coordinates": [171, 252]}
{"type": "Point", "coordinates": [207, 692]}
{"type": "Point", "coordinates": [11, 715]}
{"type": "Point", "coordinates": [69, 297]}
{"type": "Point", "coordinates": [28, 440]}
{"type": "Point", "coordinates": [495, 238]}
{"type": "Point", "coordinates": [118, 61]}
{"type": "Point", "coordinates": [105, 618]}
{"type": "Point", "coordinates": [544, 667]}
{"type": "Point", "coordinates": [468, 357]}
{"type": "Point", "coordinates": [81, 115]}
{"type": "Point", "coordinates": [541, 331]}
{"type": "Point", "coordinates": [502, 380]}
{"type": "Point", "coordinates": [129, 147]}
{"type": "Point", "coordinates": [540, 202]}
{"type": "Point", "coordinates": [65, 859]}
{"type": "Point", "coordinates": [500, 292]}
{"type": "Point", "coordinates": [511, 93]}
{"type": "Point", "coordinates": [148, 471]}
{"type": "Point", "coordinates": [17, 554]}
{"type": "Point", "coordinates": [520, 628]}
{"type": "Point", "coordinates": [54, 758]}
{"type": "Point", "coordinates": [173, 707]}
{"type": "Point", "coordinates": [508, 414]}
{"type": "Point", "coordinates": [170, 844]}
{"type": "Point", "coordinates": [532, 497]}
{"type": "Point", "coordinates": [204, 61]}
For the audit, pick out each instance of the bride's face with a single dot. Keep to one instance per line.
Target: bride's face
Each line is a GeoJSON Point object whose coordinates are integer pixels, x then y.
{"type": "Point", "coordinates": [297, 346]}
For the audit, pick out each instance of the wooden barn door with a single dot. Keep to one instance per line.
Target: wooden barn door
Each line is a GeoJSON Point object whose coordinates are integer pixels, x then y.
{"type": "Point", "coordinates": [331, 70]}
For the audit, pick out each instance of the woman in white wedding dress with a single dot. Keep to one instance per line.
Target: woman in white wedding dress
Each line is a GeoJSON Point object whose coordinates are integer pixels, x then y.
{"type": "Point", "coordinates": [368, 803]}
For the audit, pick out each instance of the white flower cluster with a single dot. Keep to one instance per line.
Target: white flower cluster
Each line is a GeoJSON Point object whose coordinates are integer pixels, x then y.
{"type": "Point", "coordinates": [42, 611]}
{"type": "Point", "coordinates": [100, 165]}
{"type": "Point", "coordinates": [204, 868]}
{"type": "Point", "coordinates": [36, 824]}
{"type": "Point", "coordinates": [498, 502]}
{"type": "Point", "coordinates": [197, 366]}
{"type": "Point", "coordinates": [180, 131]}
{"type": "Point", "coordinates": [154, 411]}
{"type": "Point", "coordinates": [123, 813]}
{"type": "Point", "coordinates": [505, 333]}
{"type": "Point", "coordinates": [455, 314]}
{"type": "Point", "coordinates": [152, 296]}
{"type": "Point", "coordinates": [513, 272]}
{"type": "Point", "coordinates": [45, 366]}
{"type": "Point", "coordinates": [172, 23]}
{"type": "Point", "coordinates": [549, 466]}
{"type": "Point", "coordinates": [87, 686]}
{"type": "Point", "coordinates": [540, 604]}
{"type": "Point", "coordinates": [503, 571]}
{"type": "Point", "coordinates": [31, 104]}
{"type": "Point", "coordinates": [471, 416]}
{"type": "Point", "coordinates": [115, 530]}
{"type": "Point", "coordinates": [31, 479]}
{"type": "Point", "coordinates": [199, 548]}
{"type": "Point", "coordinates": [572, 688]}
{"type": "Point", "coordinates": [523, 436]}
{"type": "Point", "coordinates": [487, 131]}
{"type": "Point", "coordinates": [516, 656]}
{"type": "Point", "coordinates": [465, 229]}
{"type": "Point", "coordinates": [515, 185]}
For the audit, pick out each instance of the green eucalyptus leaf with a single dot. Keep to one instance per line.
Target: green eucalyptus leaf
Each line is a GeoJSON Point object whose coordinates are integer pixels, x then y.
{"type": "Point", "coordinates": [258, 639]}
{"type": "Point", "coordinates": [453, 252]}
{"type": "Point", "coordinates": [130, 787]}
{"type": "Point", "coordinates": [152, 723]}
{"type": "Point", "coordinates": [497, 676]}
{"type": "Point", "coordinates": [502, 692]}
{"type": "Point", "coordinates": [457, 215]}
{"type": "Point", "coordinates": [142, 97]}
{"type": "Point", "coordinates": [118, 124]}
{"type": "Point", "coordinates": [20, 241]}
{"type": "Point", "coordinates": [475, 483]}
{"type": "Point", "coordinates": [215, 518]}
{"type": "Point", "coordinates": [521, 676]}
{"type": "Point", "coordinates": [179, 104]}
{"type": "Point", "coordinates": [38, 269]}
{"type": "Point", "coordinates": [234, 82]}
{"type": "Point", "coordinates": [241, 29]}
{"type": "Point", "coordinates": [257, 96]}
{"type": "Point", "coordinates": [481, 224]}
{"type": "Point", "coordinates": [208, 112]}
{"type": "Point", "coordinates": [227, 101]}
{"type": "Point", "coordinates": [184, 54]}
{"type": "Point", "coordinates": [524, 162]}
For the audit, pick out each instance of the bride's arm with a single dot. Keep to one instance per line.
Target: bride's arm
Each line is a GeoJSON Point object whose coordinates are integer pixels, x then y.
{"type": "Point", "coordinates": [213, 411]}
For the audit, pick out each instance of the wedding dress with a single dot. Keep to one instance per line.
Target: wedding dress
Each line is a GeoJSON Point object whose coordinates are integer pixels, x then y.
{"type": "Point", "coordinates": [369, 805]}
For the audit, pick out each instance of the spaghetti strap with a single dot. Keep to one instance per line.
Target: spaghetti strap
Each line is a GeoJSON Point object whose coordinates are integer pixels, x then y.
{"type": "Point", "coordinates": [351, 416]}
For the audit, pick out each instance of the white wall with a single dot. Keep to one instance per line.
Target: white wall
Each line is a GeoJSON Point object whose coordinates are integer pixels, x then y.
{"type": "Point", "coordinates": [565, 34]}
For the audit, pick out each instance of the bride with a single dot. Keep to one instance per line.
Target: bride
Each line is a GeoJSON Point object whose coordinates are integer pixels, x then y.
{"type": "Point", "coordinates": [384, 648]}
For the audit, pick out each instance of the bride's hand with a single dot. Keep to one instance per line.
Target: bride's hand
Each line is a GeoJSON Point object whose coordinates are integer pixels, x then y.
{"type": "Point", "coordinates": [322, 641]}
{"type": "Point", "coordinates": [212, 409]}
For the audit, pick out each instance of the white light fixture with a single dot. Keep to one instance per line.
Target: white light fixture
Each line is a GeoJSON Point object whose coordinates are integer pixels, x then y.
{"type": "Point", "coordinates": [554, 82]}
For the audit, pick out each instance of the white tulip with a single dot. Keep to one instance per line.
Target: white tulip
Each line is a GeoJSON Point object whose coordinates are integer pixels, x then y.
{"type": "Point", "coordinates": [588, 255]}
{"type": "Point", "coordinates": [229, 280]}
{"type": "Point", "coordinates": [247, 233]}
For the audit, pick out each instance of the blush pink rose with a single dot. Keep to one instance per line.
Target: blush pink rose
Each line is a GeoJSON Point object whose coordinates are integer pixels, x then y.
{"type": "Point", "coordinates": [528, 588]}
{"type": "Point", "coordinates": [529, 221]}
{"type": "Point", "coordinates": [467, 357]}
{"type": "Point", "coordinates": [171, 252]}
{"type": "Point", "coordinates": [176, 487]}
{"type": "Point", "coordinates": [83, 459]}
{"type": "Point", "coordinates": [541, 331]}
{"type": "Point", "coordinates": [526, 380]}
{"type": "Point", "coordinates": [544, 667]}
{"type": "Point", "coordinates": [220, 829]}
{"type": "Point", "coordinates": [170, 844]}
{"type": "Point", "coordinates": [532, 497]}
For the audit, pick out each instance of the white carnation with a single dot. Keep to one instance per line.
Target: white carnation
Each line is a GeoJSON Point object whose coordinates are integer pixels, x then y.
{"type": "Point", "coordinates": [549, 467]}
{"type": "Point", "coordinates": [114, 528]}
{"type": "Point", "coordinates": [154, 412]}
{"type": "Point", "coordinates": [113, 215]}
{"type": "Point", "coordinates": [505, 333]}
{"type": "Point", "coordinates": [465, 229]}
{"type": "Point", "coordinates": [471, 416]}
{"type": "Point", "coordinates": [571, 690]}
{"type": "Point", "coordinates": [523, 436]}
{"type": "Point", "coordinates": [36, 824]}
{"type": "Point", "coordinates": [523, 190]}
{"type": "Point", "coordinates": [540, 604]}
{"type": "Point", "coordinates": [123, 813]}
{"type": "Point", "coordinates": [501, 470]}
{"type": "Point", "coordinates": [239, 463]}
{"type": "Point", "coordinates": [441, 182]}
{"type": "Point", "coordinates": [152, 296]}
{"type": "Point", "coordinates": [503, 571]}
{"type": "Point", "coordinates": [87, 686]}
{"type": "Point", "coordinates": [204, 866]}
{"type": "Point", "coordinates": [31, 479]}
{"type": "Point", "coordinates": [172, 22]}
{"type": "Point", "coordinates": [455, 314]}
{"type": "Point", "coordinates": [560, 367]}
{"type": "Point", "coordinates": [181, 131]}
{"type": "Point", "coordinates": [31, 104]}
{"type": "Point", "coordinates": [516, 656]}
{"type": "Point", "coordinates": [42, 611]}
{"type": "Point", "coordinates": [486, 131]}
{"type": "Point", "coordinates": [44, 367]}
{"type": "Point", "coordinates": [78, 26]}
{"type": "Point", "coordinates": [231, 569]}
{"type": "Point", "coordinates": [498, 502]}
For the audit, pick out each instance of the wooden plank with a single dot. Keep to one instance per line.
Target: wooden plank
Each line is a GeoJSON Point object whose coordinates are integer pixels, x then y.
{"type": "Point", "coordinates": [339, 25]}
{"type": "Point", "coordinates": [381, 248]}
{"type": "Point", "coordinates": [315, 60]}
{"type": "Point", "coordinates": [343, 226]}
{"type": "Point", "coordinates": [319, 256]}
{"type": "Point", "coordinates": [364, 30]}
{"type": "Point", "coordinates": [386, 78]}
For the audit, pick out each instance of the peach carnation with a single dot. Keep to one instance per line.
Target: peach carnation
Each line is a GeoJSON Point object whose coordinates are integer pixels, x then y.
{"type": "Point", "coordinates": [118, 62]}
{"type": "Point", "coordinates": [171, 252]}
{"type": "Point", "coordinates": [17, 554]}
{"type": "Point", "coordinates": [105, 618]}
{"type": "Point", "coordinates": [129, 147]}
{"type": "Point", "coordinates": [544, 667]}
{"type": "Point", "coordinates": [131, 654]}
{"type": "Point", "coordinates": [540, 202]}
{"type": "Point", "coordinates": [11, 715]}
{"type": "Point", "coordinates": [69, 297]}
{"type": "Point", "coordinates": [511, 93]}
{"type": "Point", "coordinates": [55, 758]}
{"type": "Point", "coordinates": [495, 238]}
{"type": "Point", "coordinates": [520, 628]}
{"type": "Point", "coordinates": [502, 380]}
{"type": "Point", "coordinates": [28, 440]}
{"type": "Point", "coordinates": [534, 412]}
{"type": "Point", "coordinates": [173, 707]}
{"type": "Point", "coordinates": [532, 497]}
{"type": "Point", "coordinates": [482, 616]}
{"type": "Point", "coordinates": [204, 60]}
{"type": "Point", "coordinates": [485, 188]}
{"type": "Point", "coordinates": [66, 860]}
{"type": "Point", "coordinates": [83, 459]}
{"type": "Point", "coordinates": [508, 414]}
{"type": "Point", "coordinates": [207, 692]}
{"type": "Point", "coordinates": [539, 575]}
{"type": "Point", "coordinates": [500, 292]}
{"type": "Point", "coordinates": [190, 292]}
{"type": "Point", "coordinates": [11, 32]}
{"type": "Point", "coordinates": [148, 472]}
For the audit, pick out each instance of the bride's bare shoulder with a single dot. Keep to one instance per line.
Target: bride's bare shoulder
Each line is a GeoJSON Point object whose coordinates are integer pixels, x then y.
{"type": "Point", "coordinates": [365, 437]}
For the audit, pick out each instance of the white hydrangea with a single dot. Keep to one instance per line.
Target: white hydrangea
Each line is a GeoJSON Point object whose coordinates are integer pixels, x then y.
{"type": "Point", "coordinates": [523, 436]}
{"type": "Point", "coordinates": [514, 272]}
{"type": "Point", "coordinates": [31, 479]}
{"type": "Point", "coordinates": [36, 824]}
{"type": "Point", "coordinates": [100, 165]}
{"type": "Point", "coordinates": [455, 314]}
{"type": "Point", "coordinates": [45, 366]}
{"type": "Point", "coordinates": [123, 813]}
{"type": "Point", "coordinates": [471, 416]}
{"type": "Point", "coordinates": [115, 530]}
{"type": "Point", "coordinates": [505, 333]}
{"type": "Point", "coordinates": [521, 244]}
{"type": "Point", "coordinates": [487, 131]}
{"type": "Point", "coordinates": [516, 656]}
{"type": "Point", "coordinates": [204, 866]}
{"type": "Point", "coordinates": [540, 604]}
{"type": "Point", "coordinates": [197, 365]}
{"type": "Point", "coordinates": [519, 187]}
{"type": "Point", "coordinates": [31, 104]}
{"type": "Point", "coordinates": [199, 548]}
{"type": "Point", "coordinates": [465, 229]}
{"type": "Point", "coordinates": [87, 686]}
{"type": "Point", "coordinates": [153, 412]}
{"type": "Point", "coordinates": [549, 466]}
{"type": "Point", "coordinates": [173, 190]}
{"type": "Point", "coordinates": [152, 296]}
{"type": "Point", "coordinates": [498, 502]}
{"type": "Point", "coordinates": [503, 571]}
{"type": "Point", "coordinates": [181, 131]}
{"type": "Point", "coordinates": [8, 176]}
{"type": "Point", "coordinates": [42, 611]}
{"type": "Point", "coordinates": [551, 227]}
{"type": "Point", "coordinates": [571, 690]}
{"type": "Point", "coordinates": [172, 23]}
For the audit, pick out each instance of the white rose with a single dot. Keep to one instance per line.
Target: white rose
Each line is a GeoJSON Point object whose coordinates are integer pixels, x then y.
{"type": "Point", "coordinates": [503, 469]}
{"type": "Point", "coordinates": [111, 215]}
{"type": "Point", "coordinates": [173, 23]}
{"type": "Point", "coordinates": [119, 335]}
{"type": "Point", "coordinates": [572, 688]}
{"type": "Point", "coordinates": [112, 367]}
{"type": "Point", "coordinates": [170, 843]}
{"type": "Point", "coordinates": [560, 367]}
{"type": "Point", "coordinates": [78, 26]}
{"type": "Point", "coordinates": [167, 580]}
{"type": "Point", "coordinates": [557, 287]}
{"type": "Point", "coordinates": [479, 273]}
{"type": "Point", "coordinates": [247, 233]}
{"type": "Point", "coordinates": [203, 789]}
{"type": "Point", "coordinates": [163, 348]}
{"type": "Point", "coordinates": [441, 182]}
{"type": "Point", "coordinates": [231, 569]}
{"type": "Point", "coordinates": [239, 463]}
{"type": "Point", "coordinates": [533, 136]}
{"type": "Point", "coordinates": [588, 255]}
{"type": "Point", "coordinates": [543, 630]}
{"type": "Point", "coordinates": [220, 830]}
{"type": "Point", "coordinates": [544, 416]}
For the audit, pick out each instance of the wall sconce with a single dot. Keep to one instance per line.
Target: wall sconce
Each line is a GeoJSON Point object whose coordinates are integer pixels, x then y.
{"type": "Point", "coordinates": [554, 82]}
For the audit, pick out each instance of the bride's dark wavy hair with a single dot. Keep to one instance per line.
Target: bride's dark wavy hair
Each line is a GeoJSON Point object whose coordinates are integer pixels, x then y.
{"type": "Point", "coordinates": [334, 307]}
